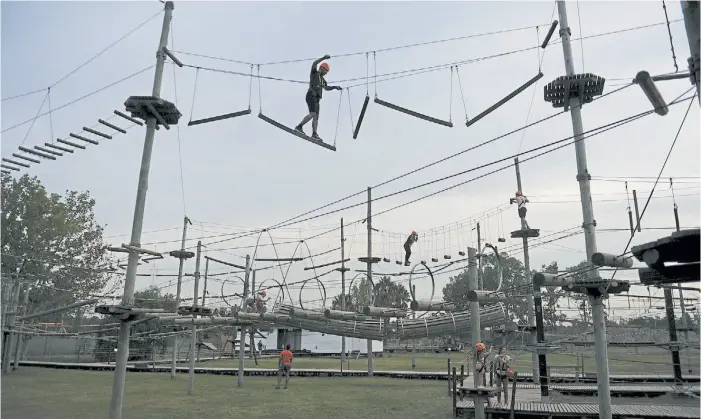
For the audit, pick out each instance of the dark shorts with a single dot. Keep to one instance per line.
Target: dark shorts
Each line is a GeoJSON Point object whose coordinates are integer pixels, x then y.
{"type": "Point", "coordinates": [285, 368]}
{"type": "Point", "coordinates": [312, 102]}
{"type": "Point", "coordinates": [522, 212]}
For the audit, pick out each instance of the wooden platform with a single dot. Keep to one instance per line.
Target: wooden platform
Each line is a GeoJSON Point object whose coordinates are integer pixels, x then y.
{"type": "Point", "coordinates": [315, 372]}
{"type": "Point", "coordinates": [524, 391]}
{"type": "Point", "coordinates": [588, 410]}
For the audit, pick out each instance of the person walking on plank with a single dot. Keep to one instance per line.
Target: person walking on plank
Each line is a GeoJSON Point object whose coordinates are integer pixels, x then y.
{"type": "Point", "coordinates": [317, 84]}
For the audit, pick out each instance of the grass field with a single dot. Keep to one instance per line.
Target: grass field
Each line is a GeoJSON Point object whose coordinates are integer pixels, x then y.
{"type": "Point", "coordinates": [30, 393]}
{"type": "Point", "coordinates": [620, 362]}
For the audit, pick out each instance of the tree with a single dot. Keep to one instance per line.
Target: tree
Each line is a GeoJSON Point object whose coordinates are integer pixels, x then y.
{"type": "Point", "coordinates": [514, 283]}
{"type": "Point", "coordinates": [140, 345]}
{"type": "Point", "coordinates": [53, 241]}
{"type": "Point", "coordinates": [552, 314]}
{"type": "Point", "coordinates": [385, 293]}
{"type": "Point", "coordinates": [579, 273]}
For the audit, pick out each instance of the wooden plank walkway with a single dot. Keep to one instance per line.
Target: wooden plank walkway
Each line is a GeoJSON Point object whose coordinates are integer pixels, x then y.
{"type": "Point", "coordinates": [588, 410]}
{"type": "Point", "coordinates": [617, 390]}
{"type": "Point", "coordinates": [316, 372]}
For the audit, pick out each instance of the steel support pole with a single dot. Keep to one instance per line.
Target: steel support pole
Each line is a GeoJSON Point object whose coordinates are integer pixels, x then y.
{"type": "Point", "coordinates": [690, 9]}
{"type": "Point", "coordinates": [343, 291]}
{"type": "Point", "coordinates": [472, 276]}
{"type": "Point", "coordinates": [120, 367]}
{"type": "Point", "coordinates": [242, 339]}
{"type": "Point", "coordinates": [532, 337]}
{"type": "Point", "coordinates": [193, 336]}
{"type": "Point", "coordinates": [369, 272]}
{"type": "Point", "coordinates": [589, 224]}
{"type": "Point", "coordinates": [14, 303]}
{"type": "Point", "coordinates": [175, 354]}
{"type": "Point", "coordinates": [19, 339]}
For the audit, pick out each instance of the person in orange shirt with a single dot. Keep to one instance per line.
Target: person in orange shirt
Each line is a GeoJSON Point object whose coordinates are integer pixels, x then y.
{"type": "Point", "coordinates": [284, 366]}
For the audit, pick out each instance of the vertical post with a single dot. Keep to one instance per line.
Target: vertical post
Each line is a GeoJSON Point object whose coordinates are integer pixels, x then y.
{"type": "Point", "coordinates": [472, 284]}
{"type": "Point", "coordinates": [543, 371]}
{"type": "Point", "coordinates": [343, 290]}
{"type": "Point", "coordinates": [204, 294]}
{"type": "Point", "coordinates": [589, 224]}
{"type": "Point", "coordinates": [413, 341]}
{"type": "Point", "coordinates": [532, 334]}
{"type": "Point", "coordinates": [684, 323]}
{"type": "Point", "coordinates": [455, 393]}
{"type": "Point", "coordinates": [242, 339]}
{"type": "Point", "coordinates": [251, 343]}
{"type": "Point", "coordinates": [480, 285]}
{"type": "Point", "coordinates": [20, 338]}
{"type": "Point", "coordinates": [193, 336]}
{"type": "Point", "coordinates": [174, 358]}
{"type": "Point", "coordinates": [671, 323]}
{"type": "Point", "coordinates": [7, 353]}
{"type": "Point", "coordinates": [690, 9]}
{"type": "Point", "coordinates": [369, 271]}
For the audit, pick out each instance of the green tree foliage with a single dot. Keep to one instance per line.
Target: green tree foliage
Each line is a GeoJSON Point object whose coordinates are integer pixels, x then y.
{"type": "Point", "coordinates": [385, 293]}
{"type": "Point", "coordinates": [52, 241]}
{"type": "Point", "coordinates": [140, 345]}
{"type": "Point", "coordinates": [552, 314]}
{"type": "Point", "coordinates": [514, 283]}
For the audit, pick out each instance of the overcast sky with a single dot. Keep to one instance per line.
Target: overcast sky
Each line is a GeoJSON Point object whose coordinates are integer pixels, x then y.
{"type": "Point", "coordinates": [242, 174]}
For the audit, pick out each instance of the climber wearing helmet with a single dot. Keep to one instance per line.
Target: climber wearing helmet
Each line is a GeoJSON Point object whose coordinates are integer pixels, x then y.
{"type": "Point", "coordinates": [413, 237]}
{"type": "Point", "coordinates": [521, 201]}
{"type": "Point", "coordinates": [256, 302]}
{"type": "Point", "coordinates": [317, 84]}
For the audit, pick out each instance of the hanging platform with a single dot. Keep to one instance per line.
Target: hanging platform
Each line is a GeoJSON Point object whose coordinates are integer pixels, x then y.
{"type": "Point", "coordinates": [501, 240]}
{"type": "Point", "coordinates": [219, 117]}
{"type": "Point", "coordinates": [362, 115]}
{"type": "Point", "coordinates": [398, 262]}
{"type": "Point", "coordinates": [504, 100]}
{"type": "Point", "coordinates": [530, 233]}
{"type": "Point", "coordinates": [190, 310]}
{"type": "Point", "coordinates": [434, 259]}
{"type": "Point", "coordinates": [414, 114]}
{"type": "Point", "coordinates": [461, 253]}
{"type": "Point", "coordinates": [295, 133]}
{"type": "Point", "coordinates": [365, 259]}
{"type": "Point", "coordinates": [386, 260]}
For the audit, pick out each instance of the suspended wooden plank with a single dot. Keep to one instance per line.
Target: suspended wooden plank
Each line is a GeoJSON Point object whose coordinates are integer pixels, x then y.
{"type": "Point", "coordinates": [114, 127]}
{"type": "Point", "coordinates": [414, 114]}
{"type": "Point", "coordinates": [58, 147]}
{"type": "Point", "coordinates": [296, 133]}
{"type": "Point", "coordinates": [37, 153]}
{"type": "Point", "coordinates": [72, 144]}
{"type": "Point", "coordinates": [46, 150]}
{"type": "Point", "coordinates": [18, 163]}
{"type": "Point", "coordinates": [326, 264]}
{"type": "Point", "coordinates": [506, 99]}
{"type": "Point", "coordinates": [360, 118]}
{"type": "Point", "coordinates": [219, 117]}
{"type": "Point", "coordinates": [87, 140]}
{"type": "Point", "coordinates": [98, 133]}
{"type": "Point", "coordinates": [19, 156]}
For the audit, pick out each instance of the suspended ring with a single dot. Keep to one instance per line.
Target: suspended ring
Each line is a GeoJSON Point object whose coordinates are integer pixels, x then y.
{"type": "Point", "coordinates": [433, 282]}
{"type": "Point", "coordinates": [323, 288]}
{"type": "Point", "coordinates": [223, 297]}
{"type": "Point", "coordinates": [279, 285]}
{"type": "Point", "coordinates": [500, 268]}
{"type": "Point", "coordinates": [372, 284]}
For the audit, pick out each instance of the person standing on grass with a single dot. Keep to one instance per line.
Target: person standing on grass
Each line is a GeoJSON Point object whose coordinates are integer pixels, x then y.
{"type": "Point", "coordinates": [284, 366]}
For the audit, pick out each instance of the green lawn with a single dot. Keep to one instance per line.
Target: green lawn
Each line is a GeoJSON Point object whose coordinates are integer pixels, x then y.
{"type": "Point", "coordinates": [621, 362]}
{"type": "Point", "coordinates": [45, 393]}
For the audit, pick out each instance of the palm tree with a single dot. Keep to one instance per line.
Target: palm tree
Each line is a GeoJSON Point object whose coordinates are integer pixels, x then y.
{"type": "Point", "coordinates": [390, 294]}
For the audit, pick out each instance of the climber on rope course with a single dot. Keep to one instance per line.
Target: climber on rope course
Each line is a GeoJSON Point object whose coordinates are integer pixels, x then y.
{"type": "Point", "coordinates": [521, 201]}
{"type": "Point", "coordinates": [317, 84]}
{"type": "Point", "coordinates": [413, 238]}
{"type": "Point", "coordinates": [256, 302]}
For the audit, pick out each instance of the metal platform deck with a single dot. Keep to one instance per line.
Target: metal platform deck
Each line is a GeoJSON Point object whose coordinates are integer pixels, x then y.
{"type": "Point", "coordinates": [569, 410]}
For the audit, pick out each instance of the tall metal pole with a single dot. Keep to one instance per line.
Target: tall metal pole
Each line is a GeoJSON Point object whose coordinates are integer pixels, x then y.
{"type": "Point", "coordinates": [690, 9]}
{"type": "Point", "coordinates": [242, 339]}
{"type": "Point", "coordinates": [532, 337]}
{"type": "Point", "coordinates": [602, 365]}
{"type": "Point", "coordinates": [480, 284]}
{"type": "Point", "coordinates": [193, 337]}
{"type": "Point", "coordinates": [7, 353]}
{"type": "Point", "coordinates": [18, 342]}
{"type": "Point", "coordinates": [343, 290]}
{"type": "Point", "coordinates": [472, 284]}
{"type": "Point", "coordinates": [413, 341]}
{"type": "Point", "coordinates": [120, 367]}
{"type": "Point", "coordinates": [174, 358]}
{"type": "Point", "coordinates": [251, 336]}
{"type": "Point", "coordinates": [684, 323]}
{"type": "Point", "coordinates": [204, 294]}
{"type": "Point", "coordinates": [369, 271]}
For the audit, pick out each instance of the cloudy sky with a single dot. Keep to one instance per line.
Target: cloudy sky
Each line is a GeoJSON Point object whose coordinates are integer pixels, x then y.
{"type": "Point", "coordinates": [238, 175]}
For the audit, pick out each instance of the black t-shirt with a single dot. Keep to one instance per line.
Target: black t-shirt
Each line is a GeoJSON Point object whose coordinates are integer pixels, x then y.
{"type": "Point", "coordinates": [317, 83]}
